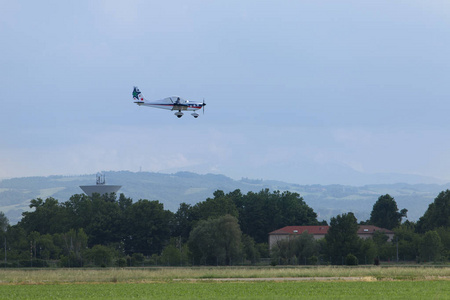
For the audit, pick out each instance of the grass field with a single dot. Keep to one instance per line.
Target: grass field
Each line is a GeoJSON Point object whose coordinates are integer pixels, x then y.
{"type": "Point", "coordinates": [234, 290]}
{"type": "Point", "coordinates": [228, 283]}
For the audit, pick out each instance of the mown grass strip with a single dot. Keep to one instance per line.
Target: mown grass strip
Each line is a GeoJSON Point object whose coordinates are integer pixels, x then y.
{"type": "Point", "coordinates": [138, 275]}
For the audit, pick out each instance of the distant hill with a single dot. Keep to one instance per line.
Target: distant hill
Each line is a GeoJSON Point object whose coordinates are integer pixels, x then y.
{"type": "Point", "coordinates": [172, 189]}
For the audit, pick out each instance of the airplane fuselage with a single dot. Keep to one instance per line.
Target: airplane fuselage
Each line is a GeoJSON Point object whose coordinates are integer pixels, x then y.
{"type": "Point", "coordinates": [171, 106]}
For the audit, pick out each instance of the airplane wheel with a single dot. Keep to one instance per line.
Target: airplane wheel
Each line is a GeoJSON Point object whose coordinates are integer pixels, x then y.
{"type": "Point", "coordinates": [179, 116]}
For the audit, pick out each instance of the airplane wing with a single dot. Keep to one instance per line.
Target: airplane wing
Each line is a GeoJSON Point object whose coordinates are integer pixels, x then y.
{"type": "Point", "coordinates": [178, 103]}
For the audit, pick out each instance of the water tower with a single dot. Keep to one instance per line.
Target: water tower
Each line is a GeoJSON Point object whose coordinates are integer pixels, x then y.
{"type": "Point", "coordinates": [100, 187]}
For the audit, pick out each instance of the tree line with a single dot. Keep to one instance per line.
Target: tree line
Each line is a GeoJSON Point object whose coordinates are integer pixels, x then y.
{"type": "Point", "coordinates": [427, 240]}
{"type": "Point", "coordinates": [226, 229]}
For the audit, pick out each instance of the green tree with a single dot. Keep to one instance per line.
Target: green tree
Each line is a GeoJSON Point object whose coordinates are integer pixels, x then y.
{"type": "Point", "coordinates": [351, 260]}
{"type": "Point", "coordinates": [368, 251]}
{"type": "Point", "coordinates": [342, 238]}
{"type": "Point", "coordinates": [47, 248]}
{"type": "Point", "coordinates": [263, 249]}
{"type": "Point", "coordinates": [73, 244]}
{"type": "Point", "coordinates": [80, 210]}
{"type": "Point", "coordinates": [147, 227]}
{"type": "Point", "coordinates": [175, 253]}
{"type": "Point", "coordinates": [201, 243]}
{"type": "Point", "coordinates": [34, 237]}
{"type": "Point", "coordinates": [408, 241]}
{"type": "Point", "coordinates": [215, 207]}
{"type": "Point", "coordinates": [385, 213]}
{"type": "Point", "coordinates": [100, 255]}
{"type": "Point", "coordinates": [305, 247]}
{"type": "Point", "coordinates": [171, 256]}
{"type": "Point", "coordinates": [48, 217]}
{"type": "Point", "coordinates": [229, 237]}
{"type": "Point", "coordinates": [291, 209]}
{"type": "Point", "coordinates": [385, 249]}
{"type": "Point", "coordinates": [249, 249]}
{"type": "Point", "coordinates": [296, 250]}
{"type": "Point", "coordinates": [431, 246]}
{"type": "Point", "coordinates": [216, 241]}
{"type": "Point", "coordinates": [4, 222]}
{"type": "Point", "coordinates": [101, 216]}
{"type": "Point", "coordinates": [437, 214]}
{"type": "Point", "coordinates": [124, 202]}
{"type": "Point", "coordinates": [263, 212]}
{"type": "Point", "coordinates": [256, 214]}
{"type": "Point", "coordinates": [137, 259]}
{"type": "Point", "coordinates": [105, 222]}
{"type": "Point", "coordinates": [444, 234]}
{"type": "Point", "coordinates": [17, 243]}
{"type": "Point", "coordinates": [183, 221]}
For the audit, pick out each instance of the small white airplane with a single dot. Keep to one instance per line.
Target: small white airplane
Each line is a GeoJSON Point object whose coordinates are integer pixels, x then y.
{"type": "Point", "coordinates": [171, 103]}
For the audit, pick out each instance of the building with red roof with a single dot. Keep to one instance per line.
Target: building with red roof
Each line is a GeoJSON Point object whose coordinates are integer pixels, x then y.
{"type": "Point", "coordinates": [319, 232]}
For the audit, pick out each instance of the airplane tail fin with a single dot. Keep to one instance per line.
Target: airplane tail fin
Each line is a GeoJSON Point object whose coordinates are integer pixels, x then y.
{"type": "Point", "coordinates": [137, 95]}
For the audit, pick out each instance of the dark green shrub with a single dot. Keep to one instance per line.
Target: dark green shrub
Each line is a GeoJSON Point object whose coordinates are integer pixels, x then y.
{"type": "Point", "coordinates": [121, 262]}
{"type": "Point", "coordinates": [313, 260]}
{"type": "Point", "coordinates": [137, 259]}
{"type": "Point", "coordinates": [351, 260]}
{"type": "Point", "coordinates": [35, 263]}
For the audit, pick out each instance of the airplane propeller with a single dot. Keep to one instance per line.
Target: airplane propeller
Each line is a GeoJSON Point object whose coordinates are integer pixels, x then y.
{"type": "Point", "coordinates": [203, 105]}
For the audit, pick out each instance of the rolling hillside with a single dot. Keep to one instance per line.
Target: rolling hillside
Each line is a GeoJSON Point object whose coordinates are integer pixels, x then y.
{"type": "Point", "coordinates": [172, 189]}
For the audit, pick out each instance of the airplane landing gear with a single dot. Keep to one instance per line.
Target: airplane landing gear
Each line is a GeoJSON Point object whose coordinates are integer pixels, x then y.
{"type": "Point", "coordinates": [195, 115]}
{"type": "Point", "coordinates": [179, 114]}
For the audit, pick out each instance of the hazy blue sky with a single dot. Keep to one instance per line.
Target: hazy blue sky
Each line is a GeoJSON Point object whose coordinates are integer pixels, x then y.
{"type": "Point", "coordinates": [301, 91]}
